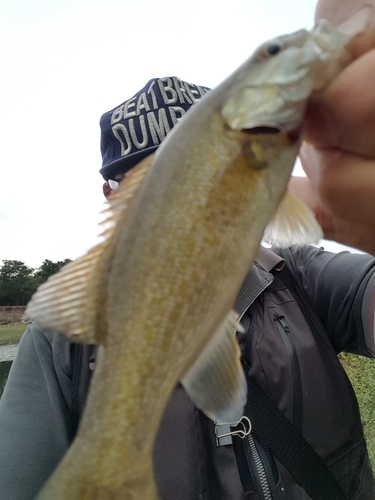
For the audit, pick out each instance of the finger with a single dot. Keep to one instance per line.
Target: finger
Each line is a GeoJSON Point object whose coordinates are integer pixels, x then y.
{"type": "Point", "coordinates": [352, 234]}
{"type": "Point", "coordinates": [307, 161]}
{"type": "Point", "coordinates": [349, 16]}
{"type": "Point", "coordinates": [345, 183]}
{"type": "Point", "coordinates": [311, 159]}
{"type": "Point", "coordinates": [342, 116]}
{"type": "Point", "coordinates": [361, 43]}
{"type": "Point", "coordinates": [304, 189]}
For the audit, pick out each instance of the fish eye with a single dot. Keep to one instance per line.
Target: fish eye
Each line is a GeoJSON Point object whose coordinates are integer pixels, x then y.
{"type": "Point", "coordinates": [270, 49]}
{"type": "Point", "coordinates": [273, 49]}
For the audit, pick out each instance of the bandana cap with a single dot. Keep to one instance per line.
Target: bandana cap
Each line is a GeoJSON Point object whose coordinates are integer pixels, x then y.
{"type": "Point", "coordinates": [135, 129]}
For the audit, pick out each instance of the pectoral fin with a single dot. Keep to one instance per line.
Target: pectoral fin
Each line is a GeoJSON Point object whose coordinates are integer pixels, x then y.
{"type": "Point", "coordinates": [293, 223]}
{"type": "Point", "coordinates": [68, 301]}
{"type": "Point", "coordinates": [216, 381]}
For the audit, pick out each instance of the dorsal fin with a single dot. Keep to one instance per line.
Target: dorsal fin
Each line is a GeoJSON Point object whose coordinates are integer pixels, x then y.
{"type": "Point", "coordinates": [119, 201]}
{"type": "Point", "coordinates": [68, 301]}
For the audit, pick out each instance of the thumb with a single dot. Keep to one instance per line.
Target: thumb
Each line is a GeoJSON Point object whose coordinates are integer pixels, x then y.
{"type": "Point", "coordinates": [361, 43]}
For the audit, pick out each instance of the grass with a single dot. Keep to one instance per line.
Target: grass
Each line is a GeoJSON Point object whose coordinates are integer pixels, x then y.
{"type": "Point", "coordinates": [11, 334]}
{"type": "Point", "coordinates": [361, 372]}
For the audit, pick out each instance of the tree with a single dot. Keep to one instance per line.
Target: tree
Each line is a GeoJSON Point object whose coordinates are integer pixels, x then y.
{"type": "Point", "coordinates": [17, 283]}
{"type": "Point", "coordinates": [48, 268]}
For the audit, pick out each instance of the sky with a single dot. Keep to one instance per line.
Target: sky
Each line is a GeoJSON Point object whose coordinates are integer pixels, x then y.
{"type": "Point", "coordinates": [63, 63]}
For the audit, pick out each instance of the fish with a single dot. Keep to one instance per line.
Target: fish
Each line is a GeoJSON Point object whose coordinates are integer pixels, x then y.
{"type": "Point", "coordinates": [180, 235]}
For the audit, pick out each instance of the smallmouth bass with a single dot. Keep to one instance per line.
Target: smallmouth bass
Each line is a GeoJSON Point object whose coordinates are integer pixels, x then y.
{"type": "Point", "coordinates": [181, 234]}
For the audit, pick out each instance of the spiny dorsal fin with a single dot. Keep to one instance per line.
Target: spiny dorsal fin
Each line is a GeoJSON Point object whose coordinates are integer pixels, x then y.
{"type": "Point", "coordinates": [68, 301]}
{"type": "Point", "coordinates": [216, 382]}
{"type": "Point", "coordinates": [119, 201]}
{"type": "Point", "coordinates": [293, 223]}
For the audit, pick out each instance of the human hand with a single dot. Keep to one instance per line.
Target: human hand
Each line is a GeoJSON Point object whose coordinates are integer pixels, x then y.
{"type": "Point", "coordinates": [339, 153]}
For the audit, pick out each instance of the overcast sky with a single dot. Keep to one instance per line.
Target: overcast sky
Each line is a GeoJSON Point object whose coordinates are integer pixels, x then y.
{"type": "Point", "coordinates": [63, 63]}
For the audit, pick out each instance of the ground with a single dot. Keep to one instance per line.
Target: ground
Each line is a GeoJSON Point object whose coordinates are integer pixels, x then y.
{"type": "Point", "coordinates": [11, 315]}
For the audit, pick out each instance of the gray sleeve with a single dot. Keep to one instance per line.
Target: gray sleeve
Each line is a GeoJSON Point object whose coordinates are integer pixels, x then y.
{"type": "Point", "coordinates": [35, 427]}
{"type": "Point", "coordinates": [339, 288]}
{"type": "Point", "coordinates": [368, 313]}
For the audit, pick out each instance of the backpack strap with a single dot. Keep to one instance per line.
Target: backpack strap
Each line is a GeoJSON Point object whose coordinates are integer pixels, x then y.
{"type": "Point", "coordinates": [279, 435]}
{"type": "Point", "coordinates": [82, 356]}
{"type": "Point", "coordinates": [285, 442]}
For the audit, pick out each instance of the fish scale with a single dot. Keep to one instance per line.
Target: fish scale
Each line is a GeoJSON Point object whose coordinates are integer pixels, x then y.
{"type": "Point", "coordinates": [182, 233]}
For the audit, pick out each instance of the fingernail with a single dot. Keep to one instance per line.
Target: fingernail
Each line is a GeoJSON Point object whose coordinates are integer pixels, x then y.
{"type": "Point", "coordinates": [306, 155]}
{"type": "Point", "coordinates": [359, 21]}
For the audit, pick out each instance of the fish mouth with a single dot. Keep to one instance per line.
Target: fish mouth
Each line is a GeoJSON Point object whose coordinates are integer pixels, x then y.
{"type": "Point", "coordinates": [293, 134]}
{"type": "Point", "coordinates": [262, 129]}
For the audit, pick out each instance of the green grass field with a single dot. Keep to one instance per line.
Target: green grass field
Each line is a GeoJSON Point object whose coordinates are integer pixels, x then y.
{"type": "Point", "coordinates": [361, 372]}
{"type": "Point", "coordinates": [11, 334]}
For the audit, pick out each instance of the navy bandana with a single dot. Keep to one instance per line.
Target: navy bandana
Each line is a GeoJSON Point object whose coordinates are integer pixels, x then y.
{"type": "Point", "coordinates": [135, 129]}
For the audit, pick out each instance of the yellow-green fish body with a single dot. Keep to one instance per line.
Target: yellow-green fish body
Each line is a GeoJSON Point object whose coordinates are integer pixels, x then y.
{"type": "Point", "coordinates": [182, 234]}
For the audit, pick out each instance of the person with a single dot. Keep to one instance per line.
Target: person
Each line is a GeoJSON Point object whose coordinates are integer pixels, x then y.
{"type": "Point", "coordinates": [339, 154]}
{"type": "Point", "coordinates": [290, 353]}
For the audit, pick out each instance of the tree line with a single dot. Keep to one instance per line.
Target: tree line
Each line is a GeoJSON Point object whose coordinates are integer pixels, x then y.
{"type": "Point", "coordinates": [18, 281]}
